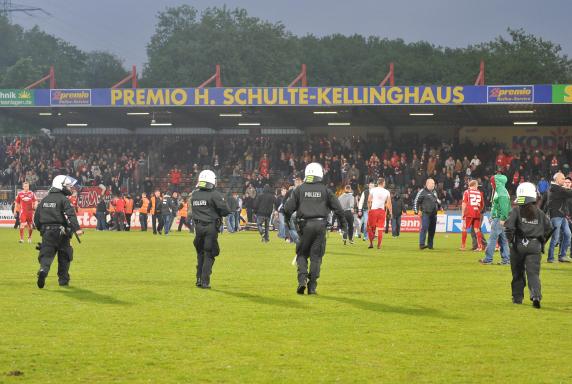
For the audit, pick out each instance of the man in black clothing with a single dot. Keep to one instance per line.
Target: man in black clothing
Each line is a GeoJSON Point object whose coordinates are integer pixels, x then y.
{"type": "Point", "coordinates": [427, 204]}
{"type": "Point", "coordinates": [398, 209]}
{"type": "Point", "coordinates": [56, 219]}
{"type": "Point", "coordinates": [527, 229]}
{"type": "Point", "coordinates": [263, 206]}
{"type": "Point", "coordinates": [208, 209]}
{"type": "Point", "coordinates": [312, 202]}
{"type": "Point", "coordinates": [556, 207]}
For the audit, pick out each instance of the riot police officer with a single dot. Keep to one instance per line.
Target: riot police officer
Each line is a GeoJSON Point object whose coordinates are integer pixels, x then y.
{"type": "Point", "coordinates": [208, 209]}
{"type": "Point", "coordinates": [527, 230]}
{"type": "Point", "coordinates": [312, 201]}
{"type": "Point", "coordinates": [56, 219]}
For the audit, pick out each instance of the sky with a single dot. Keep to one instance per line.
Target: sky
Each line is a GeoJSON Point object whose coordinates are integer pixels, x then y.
{"type": "Point", "coordinates": [124, 27]}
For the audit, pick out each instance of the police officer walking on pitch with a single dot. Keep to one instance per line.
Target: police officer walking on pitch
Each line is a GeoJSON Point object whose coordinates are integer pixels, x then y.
{"type": "Point", "coordinates": [208, 209]}
{"type": "Point", "coordinates": [527, 230]}
{"type": "Point", "coordinates": [56, 219]}
{"type": "Point", "coordinates": [312, 201]}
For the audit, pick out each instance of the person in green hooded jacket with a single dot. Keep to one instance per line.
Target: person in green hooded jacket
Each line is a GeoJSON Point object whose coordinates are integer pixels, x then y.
{"type": "Point", "coordinates": [499, 214]}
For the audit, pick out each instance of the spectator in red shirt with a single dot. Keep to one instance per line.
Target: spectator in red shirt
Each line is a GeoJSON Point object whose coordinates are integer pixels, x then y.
{"type": "Point", "coordinates": [501, 159]}
{"type": "Point", "coordinates": [264, 166]}
{"type": "Point", "coordinates": [175, 178]}
{"type": "Point", "coordinates": [119, 216]}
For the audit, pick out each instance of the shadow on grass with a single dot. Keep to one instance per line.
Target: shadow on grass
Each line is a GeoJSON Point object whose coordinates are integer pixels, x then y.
{"type": "Point", "coordinates": [387, 308]}
{"type": "Point", "coordinates": [265, 299]}
{"type": "Point", "coordinates": [90, 296]}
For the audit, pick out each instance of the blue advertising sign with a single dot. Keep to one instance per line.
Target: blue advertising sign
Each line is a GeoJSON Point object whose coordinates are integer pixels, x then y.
{"type": "Point", "coordinates": [70, 97]}
{"type": "Point", "coordinates": [303, 96]}
{"type": "Point", "coordinates": [510, 94]}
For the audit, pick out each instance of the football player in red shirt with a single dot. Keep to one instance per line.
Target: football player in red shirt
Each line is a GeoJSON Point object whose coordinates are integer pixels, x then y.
{"type": "Point", "coordinates": [26, 204]}
{"type": "Point", "coordinates": [473, 204]}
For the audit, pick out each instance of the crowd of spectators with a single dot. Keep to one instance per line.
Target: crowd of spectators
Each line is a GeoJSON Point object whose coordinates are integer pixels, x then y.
{"type": "Point", "coordinates": [144, 163]}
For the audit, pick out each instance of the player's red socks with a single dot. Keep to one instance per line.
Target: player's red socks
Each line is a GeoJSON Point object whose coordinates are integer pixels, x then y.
{"type": "Point", "coordinates": [370, 235]}
{"type": "Point", "coordinates": [30, 230]}
{"type": "Point", "coordinates": [480, 239]}
{"type": "Point", "coordinates": [463, 239]}
{"type": "Point", "coordinates": [21, 233]}
{"type": "Point", "coordinates": [379, 237]}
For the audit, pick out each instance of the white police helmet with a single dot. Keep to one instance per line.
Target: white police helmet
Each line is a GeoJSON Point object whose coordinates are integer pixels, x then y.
{"type": "Point", "coordinates": [314, 172]}
{"type": "Point", "coordinates": [526, 193]}
{"type": "Point", "coordinates": [64, 183]}
{"type": "Point", "coordinates": [207, 179]}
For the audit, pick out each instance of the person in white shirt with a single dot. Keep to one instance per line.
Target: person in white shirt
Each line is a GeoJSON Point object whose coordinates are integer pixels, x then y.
{"type": "Point", "coordinates": [378, 203]}
{"type": "Point", "coordinates": [362, 210]}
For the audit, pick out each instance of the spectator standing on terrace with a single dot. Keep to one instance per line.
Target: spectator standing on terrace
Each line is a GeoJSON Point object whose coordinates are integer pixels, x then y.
{"type": "Point", "coordinates": [175, 176]}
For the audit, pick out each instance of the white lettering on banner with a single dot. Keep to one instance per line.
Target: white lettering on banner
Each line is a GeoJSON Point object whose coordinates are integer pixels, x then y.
{"type": "Point", "coordinates": [455, 223]}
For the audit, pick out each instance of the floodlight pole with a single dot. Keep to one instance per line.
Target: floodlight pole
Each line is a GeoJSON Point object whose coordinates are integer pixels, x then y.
{"type": "Point", "coordinates": [51, 76]}
{"type": "Point", "coordinates": [216, 78]}
{"type": "Point", "coordinates": [389, 77]}
{"type": "Point", "coordinates": [302, 78]}
{"type": "Point", "coordinates": [132, 77]}
{"type": "Point", "coordinates": [481, 77]}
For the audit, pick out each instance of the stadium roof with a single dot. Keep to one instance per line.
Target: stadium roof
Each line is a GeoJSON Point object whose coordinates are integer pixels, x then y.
{"type": "Point", "coordinates": [228, 108]}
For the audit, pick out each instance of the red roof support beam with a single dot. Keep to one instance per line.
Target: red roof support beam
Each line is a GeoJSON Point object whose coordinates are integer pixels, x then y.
{"type": "Point", "coordinates": [389, 77]}
{"type": "Point", "coordinates": [51, 76]}
{"type": "Point", "coordinates": [132, 77]}
{"type": "Point", "coordinates": [302, 78]}
{"type": "Point", "coordinates": [216, 78]}
{"type": "Point", "coordinates": [481, 77]}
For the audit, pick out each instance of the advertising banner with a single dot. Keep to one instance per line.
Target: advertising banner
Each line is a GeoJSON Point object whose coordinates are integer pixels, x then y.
{"type": "Point", "coordinates": [517, 138]}
{"type": "Point", "coordinates": [455, 223]}
{"type": "Point", "coordinates": [16, 97]}
{"type": "Point", "coordinates": [510, 94]}
{"type": "Point", "coordinates": [88, 197]}
{"type": "Point", "coordinates": [561, 94]}
{"type": "Point", "coordinates": [70, 97]}
{"type": "Point", "coordinates": [289, 96]}
{"type": "Point", "coordinates": [7, 218]}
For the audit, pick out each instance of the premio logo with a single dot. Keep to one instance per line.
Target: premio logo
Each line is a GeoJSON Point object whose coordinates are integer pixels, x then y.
{"type": "Point", "coordinates": [70, 97]}
{"type": "Point", "coordinates": [510, 94]}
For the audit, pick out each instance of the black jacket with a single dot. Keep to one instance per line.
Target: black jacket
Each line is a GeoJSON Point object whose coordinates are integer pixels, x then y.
{"type": "Point", "coordinates": [556, 205]}
{"type": "Point", "coordinates": [312, 201]}
{"type": "Point", "coordinates": [101, 207]}
{"type": "Point", "coordinates": [232, 203]}
{"type": "Point", "coordinates": [427, 202]}
{"type": "Point", "coordinates": [397, 205]}
{"type": "Point", "coordinates": [51, 210]}
{"type": "Point", "coordinates": [208, 206]}
{"type": "Point", "coordinates": [264, 203]}
{"type": "Point", "coordinates": [518, 228]}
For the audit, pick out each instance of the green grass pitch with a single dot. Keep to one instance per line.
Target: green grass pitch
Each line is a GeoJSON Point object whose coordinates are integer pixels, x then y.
{"type": "Point", "coordinates": [132, 314]}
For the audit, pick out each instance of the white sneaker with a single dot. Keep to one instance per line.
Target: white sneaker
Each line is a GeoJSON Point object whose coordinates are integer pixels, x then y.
{"type": "Point", "coordinates": [21, 241]}
{"type": "Point", "coordinates": [29, 240]}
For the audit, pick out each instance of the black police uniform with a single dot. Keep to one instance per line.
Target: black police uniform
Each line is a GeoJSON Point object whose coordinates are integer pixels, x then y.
{"type": "Point", "coordinates": [526, 238]}
{"type": "Point", "coordinates": [50, 219]}
{"type": "Point", "coordinates": [312, 203]}
{"type": "Point", "coordinates": [208, 208]}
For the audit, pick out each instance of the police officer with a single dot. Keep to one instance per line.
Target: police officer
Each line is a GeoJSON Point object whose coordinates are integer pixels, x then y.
{"type": "Point", "coordinates": [312, 201]}
{"type": "Point", "coordinates": [56, 219]}
{"type": "Point", "coordinates": [208, 209]}
{"type": "Point", "coordinates": [527, 230]}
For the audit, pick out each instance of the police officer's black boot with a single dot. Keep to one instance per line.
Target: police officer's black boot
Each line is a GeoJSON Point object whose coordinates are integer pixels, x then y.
{"type": "Point", "coordinates": [312, 285]}
{"type": "Point", "coordinates": [536, 303]}
{"type": "Point", "coordinates": [42, 278]}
